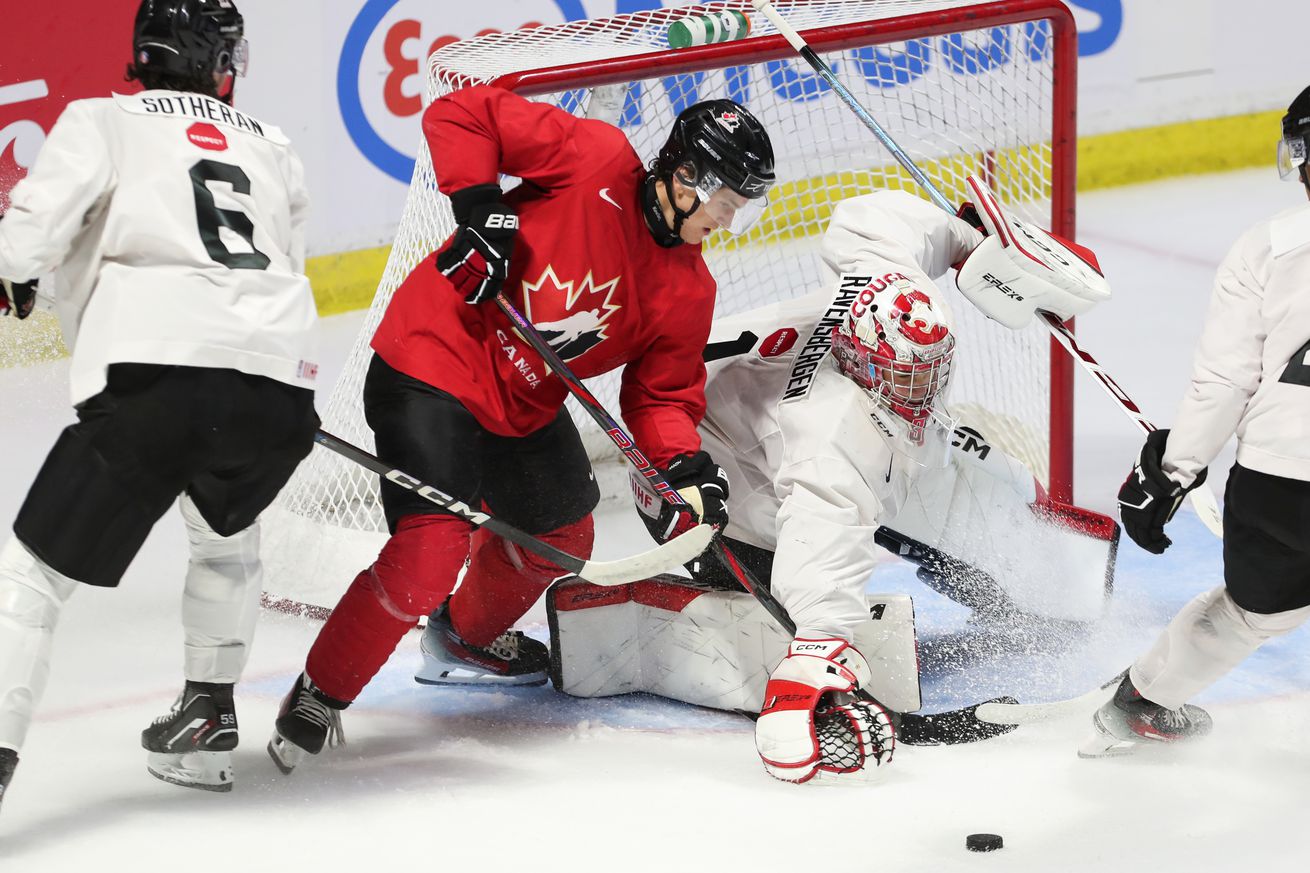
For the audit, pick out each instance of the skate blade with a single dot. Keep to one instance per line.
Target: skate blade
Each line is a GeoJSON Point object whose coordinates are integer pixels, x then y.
{"type": "Point", "coordinates": [285, 754]}
{"type": "Point", "coordinates": [207, 771]}
{"type": "Point", "coordinates": [444, 674]}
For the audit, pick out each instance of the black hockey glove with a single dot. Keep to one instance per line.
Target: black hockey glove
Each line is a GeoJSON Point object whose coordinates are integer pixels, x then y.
{"type": "Point", "coordinates": [703, 484]}
{"type": "Point", "coordinates": [477, 259]}
{"type": "Point", "coordinates": [1148, 498]}
{"type": "Point", "coordinates": [18, 298]}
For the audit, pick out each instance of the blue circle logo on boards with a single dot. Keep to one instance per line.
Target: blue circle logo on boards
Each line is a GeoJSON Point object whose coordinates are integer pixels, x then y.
{"type": "Point", "coordinates": [382, 154]}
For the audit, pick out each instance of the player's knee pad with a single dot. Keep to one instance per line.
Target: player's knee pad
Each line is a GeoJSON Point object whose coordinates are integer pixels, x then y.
{"type": "Point", "coordinates": [31, 594]}
{"type": "Point", "coordinates": [1266, 626]}
{"type": "Point", "coordinates": [220, 566]}
{"type": "Point", "coordinates": [576, 539]}
{"type": "Point", "coordinates": [418, 566]}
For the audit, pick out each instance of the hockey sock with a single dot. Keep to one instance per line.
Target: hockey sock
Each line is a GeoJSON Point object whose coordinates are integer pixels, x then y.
{"type": "Point", "coordinates": [503, 582]}
{"type": "Point", "coordinates": [414, 572]}
{"type": "Point", "coordinates": [1209, 637]}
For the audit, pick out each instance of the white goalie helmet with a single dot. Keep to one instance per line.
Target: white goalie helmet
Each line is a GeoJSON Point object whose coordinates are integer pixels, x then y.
{"type": "Point", "coordinates": [896, 342]}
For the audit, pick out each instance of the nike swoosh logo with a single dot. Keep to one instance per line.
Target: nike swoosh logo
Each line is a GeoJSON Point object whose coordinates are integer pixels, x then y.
{"type": "Point", "coordinates": [605, 195]}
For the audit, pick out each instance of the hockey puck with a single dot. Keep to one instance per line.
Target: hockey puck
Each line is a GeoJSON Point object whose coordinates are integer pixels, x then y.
{"type": "Point", "coordinates": [983, 842]}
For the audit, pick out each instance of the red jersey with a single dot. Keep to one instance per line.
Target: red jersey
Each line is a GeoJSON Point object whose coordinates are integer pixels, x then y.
{"type": "Point", "coordinates": [585, 271]}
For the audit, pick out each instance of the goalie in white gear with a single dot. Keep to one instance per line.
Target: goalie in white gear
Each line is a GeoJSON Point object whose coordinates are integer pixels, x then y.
{"type": "Point", "coordinates": [828, 414]}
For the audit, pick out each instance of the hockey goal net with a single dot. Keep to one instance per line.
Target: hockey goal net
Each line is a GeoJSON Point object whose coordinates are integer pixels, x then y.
{"type": "Point", "coordinates": [964, 87]}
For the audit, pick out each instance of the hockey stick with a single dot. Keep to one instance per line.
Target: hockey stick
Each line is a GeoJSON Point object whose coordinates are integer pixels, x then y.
{"type": "Point", "coordinates": [1203, 500]}
{"type": "Point", "coordinates": [956, 726]}
{"type": "Point", "coordinates": [1027, 713]}
{"type": "Point", "coordinates": [674, 553]}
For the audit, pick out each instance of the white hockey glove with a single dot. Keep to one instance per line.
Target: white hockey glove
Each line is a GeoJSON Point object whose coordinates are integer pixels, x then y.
{"type": "Point", "coordinates": [812, 726]}
{"type": "Point", "coordinates": [1020, 268]}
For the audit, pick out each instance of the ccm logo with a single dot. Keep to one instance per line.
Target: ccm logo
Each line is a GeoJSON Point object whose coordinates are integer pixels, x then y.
{"type": "Point", "coordinates": [810, 647]}
{"type": "Point", "coordinates": [499, 219]}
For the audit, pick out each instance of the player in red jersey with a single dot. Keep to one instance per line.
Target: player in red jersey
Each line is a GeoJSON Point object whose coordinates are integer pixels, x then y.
{"type": "Point", "coordinates": [604, 257]}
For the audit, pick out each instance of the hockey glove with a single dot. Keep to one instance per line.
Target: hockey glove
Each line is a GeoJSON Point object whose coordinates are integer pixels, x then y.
{"type": "Point", "coordinates": [1149, 497]}
{"type": "Point", "coordinates": [476, 260]}
{"type": "Point", "coordinates": [18, 299]}
{"type": "Point", "coordinates": [1020, 268]}
{"type": "Point", "coordinates": [812, 726]}
{"type": "Point", "coordinates": [699, 481]}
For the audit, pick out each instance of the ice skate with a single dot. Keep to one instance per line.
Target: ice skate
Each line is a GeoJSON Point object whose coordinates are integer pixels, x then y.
{"type": "Point", "coordinates": [1129, 721]}
{"type": "Point", "coordinates": [307, 720]}
{"type": "Point", "coordinates": [192, 744]}
{"type": "Point", "coordinates": [8, 762]}
{"type": "Point", "coordinates": [510, 659]}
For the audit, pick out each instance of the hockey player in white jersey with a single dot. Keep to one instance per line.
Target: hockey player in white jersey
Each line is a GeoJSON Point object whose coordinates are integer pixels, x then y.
{"type": "Point", "coordinates": [830, 420]}
{"type": "Point", "coordinates": [1251, 377]}
{"type": "Point", "coordinates": [175, 225]}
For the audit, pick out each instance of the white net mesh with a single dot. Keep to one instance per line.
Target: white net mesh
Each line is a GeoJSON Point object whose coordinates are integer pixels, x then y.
{"type": "Point", "coordinates": [963, 87]}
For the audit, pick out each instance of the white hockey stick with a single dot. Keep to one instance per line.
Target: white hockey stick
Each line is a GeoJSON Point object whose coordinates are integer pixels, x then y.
{"type": "Point", "coordinates": [661, 559]}
{"type": "Point", "coordinates": [1203, 500]}
{"type": "Point", "coordinates": [1027, 713]}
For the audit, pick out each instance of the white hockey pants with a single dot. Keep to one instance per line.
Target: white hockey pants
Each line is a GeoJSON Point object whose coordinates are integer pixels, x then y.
{"type": "Point", "coordinates": [1209, 636]}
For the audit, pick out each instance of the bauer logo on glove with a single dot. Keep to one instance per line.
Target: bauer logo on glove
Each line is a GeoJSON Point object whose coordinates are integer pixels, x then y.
{"type": "Point", "coordinates": [1020, 268]}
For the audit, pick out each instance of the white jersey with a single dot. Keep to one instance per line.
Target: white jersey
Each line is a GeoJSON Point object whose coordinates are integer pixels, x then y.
{"type": "Point", "coordinates": [815, 464]}
{"type": "Point", "coordinates": [176, 225]}
{"type": "Point", "coordinates": [1252, 369]}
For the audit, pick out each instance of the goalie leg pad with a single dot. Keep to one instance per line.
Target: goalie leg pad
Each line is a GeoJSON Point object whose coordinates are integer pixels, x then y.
{"type": "Point", "coordinates": [414, 572]}
{"type": "Point", "coordinates": [709, 647]}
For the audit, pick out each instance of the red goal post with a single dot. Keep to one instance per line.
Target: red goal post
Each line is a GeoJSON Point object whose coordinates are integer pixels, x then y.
{"type": "Point", "coordinates": [964, 86]}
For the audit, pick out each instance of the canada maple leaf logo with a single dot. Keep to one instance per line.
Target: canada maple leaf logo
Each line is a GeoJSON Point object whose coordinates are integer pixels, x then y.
{"type": "Point", "coordinates": [571, 316]}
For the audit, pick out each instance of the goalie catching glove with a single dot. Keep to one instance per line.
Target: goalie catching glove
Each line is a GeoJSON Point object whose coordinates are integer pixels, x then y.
{"type": "Point", "coordinates": [1020, 268]}
{"type": "Point", "coordinates": [18, 298]}
{"type": "Point", "coordinates": [1149, 497]}
{"type": "Point", "coordinates": [477, 259]}
{"type": "Point", "coordinates": [812, 726]}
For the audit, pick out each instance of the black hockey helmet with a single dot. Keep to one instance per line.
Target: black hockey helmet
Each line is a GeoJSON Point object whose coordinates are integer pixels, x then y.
{"type": "Point", "coordinates": [716, 145]}
{"type": "Point", "coordinates": [184, 44]}
{"type": "Point", "coordinates": [1293, 147]}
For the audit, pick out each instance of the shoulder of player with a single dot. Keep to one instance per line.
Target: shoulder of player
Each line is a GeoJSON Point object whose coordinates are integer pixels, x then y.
{"type": "Point", "coordinates": [197, 108]}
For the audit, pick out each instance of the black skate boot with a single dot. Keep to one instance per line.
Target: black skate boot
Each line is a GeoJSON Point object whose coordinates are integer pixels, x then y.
{"type": "Point", "coordinates": [1129, 721]}
{"type": "Point", "coordinates": [192, 745]}
{"type": "Point", "coordinates": [8, 761]}
{"type": "Point", "coordinates": [510, 659]}
{"type": "Point", "coordinates": [307, 721]}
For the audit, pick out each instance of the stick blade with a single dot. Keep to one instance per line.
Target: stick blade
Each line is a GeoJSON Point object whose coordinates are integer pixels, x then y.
{"type": "Point", "coordinates": [662, 559]}
{"type": "Point", "coordinates": [954, 727]}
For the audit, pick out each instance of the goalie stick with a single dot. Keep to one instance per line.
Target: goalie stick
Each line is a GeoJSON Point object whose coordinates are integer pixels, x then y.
{"type": "Point", "coordinates": [955, 726]}
{"type": "Point", "coordinates": [668, 556]}
{"type": "Point", "coordinates": [1203, 500]}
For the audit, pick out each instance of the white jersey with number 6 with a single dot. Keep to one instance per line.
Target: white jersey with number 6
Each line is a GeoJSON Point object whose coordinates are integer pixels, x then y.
{"type": "Point", "coordinates": [176, 226]}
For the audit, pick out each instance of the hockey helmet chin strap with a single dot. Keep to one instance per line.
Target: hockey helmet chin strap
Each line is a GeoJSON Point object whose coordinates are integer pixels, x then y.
{"type": "Point", "coordinates": [659, 228]}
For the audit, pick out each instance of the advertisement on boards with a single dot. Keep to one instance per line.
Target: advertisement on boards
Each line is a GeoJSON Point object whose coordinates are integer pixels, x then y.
{"type": "Point", "coordinates": [345, 79]}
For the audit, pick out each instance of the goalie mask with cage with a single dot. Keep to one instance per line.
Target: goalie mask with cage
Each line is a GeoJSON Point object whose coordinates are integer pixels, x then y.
{"type": "Point", "coordinates": [895, 342]}
{"type": "Point", "coordinates": [723, 153]}
{"type": "Point", "coordinates": [1292, 148]}
{"type": "Point", "coordinates": [191, 45]}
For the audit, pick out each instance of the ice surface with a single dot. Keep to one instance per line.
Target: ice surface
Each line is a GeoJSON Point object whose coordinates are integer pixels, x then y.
{"type": "Point", "coordinates": [469, 780]}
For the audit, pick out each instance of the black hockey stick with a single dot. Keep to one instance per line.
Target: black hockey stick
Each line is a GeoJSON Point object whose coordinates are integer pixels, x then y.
{"type": "Point", "coordinates": [956, 726]}
{"type": "Point", "coordinates": [1202, 499]}
{"type": "Point", "coordinates": [674, 553]}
